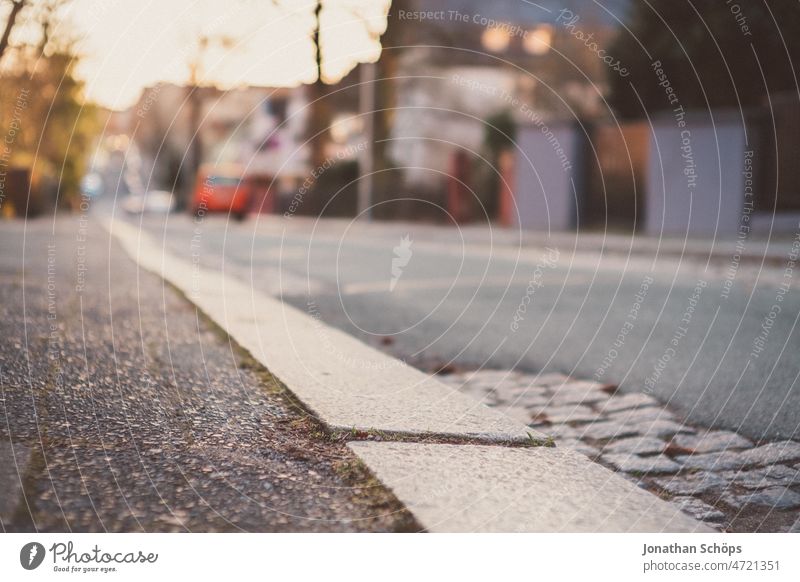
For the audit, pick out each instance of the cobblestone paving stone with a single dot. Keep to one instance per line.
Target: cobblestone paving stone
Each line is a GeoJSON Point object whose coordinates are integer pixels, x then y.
{"type": "Point", "coordinates": [639, 464]}
{"type": "Point", "coordinates": [693, 483]}
{"type": "Point", "coordinates": [699, 509]}
{"type": "Point", "coordinates": [716, 476]}
{"type": "Point", "coordinates": [637, 445]}
{"type": "Point", "coordinates": [711, 442]}
{"type": "Point", "coordinates": [780, 497]}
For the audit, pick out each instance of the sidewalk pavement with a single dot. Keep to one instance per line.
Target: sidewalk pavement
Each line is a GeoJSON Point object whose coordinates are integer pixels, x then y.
{"type": "Point", "coordinates": [123, 409]}
{"type": "Point", "coordinates": [772, 251]}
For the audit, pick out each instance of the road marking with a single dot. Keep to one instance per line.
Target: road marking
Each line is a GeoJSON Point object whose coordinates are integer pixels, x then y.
{"type": "Point", "coordinates": [379, 287]}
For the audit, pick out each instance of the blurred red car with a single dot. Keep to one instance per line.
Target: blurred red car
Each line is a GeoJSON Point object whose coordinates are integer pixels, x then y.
{"type": "Point", "coordinates": [221, 189]}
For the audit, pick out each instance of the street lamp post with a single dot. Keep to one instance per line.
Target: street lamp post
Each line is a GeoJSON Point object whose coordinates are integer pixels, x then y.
{"type": "Point", "coordinates": [366, 162]}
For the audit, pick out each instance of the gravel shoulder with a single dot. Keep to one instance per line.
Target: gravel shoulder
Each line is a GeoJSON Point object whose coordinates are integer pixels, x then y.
{"type": "Point", "coordinates": [125, 410]}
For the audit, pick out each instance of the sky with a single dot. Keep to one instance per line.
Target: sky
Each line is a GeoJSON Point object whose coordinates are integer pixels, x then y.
{"type": "Point", "coordinates": [129, 44]}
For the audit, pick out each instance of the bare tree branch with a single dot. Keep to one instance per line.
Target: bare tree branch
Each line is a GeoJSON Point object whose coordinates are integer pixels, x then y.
{"type": "Point", "coordinates": [16, 6]}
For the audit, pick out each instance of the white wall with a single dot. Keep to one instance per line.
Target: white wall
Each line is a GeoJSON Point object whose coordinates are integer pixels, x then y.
{"type": "Point", "coordinates": [714, 205]}
{"type": "Point", "coordinates": [543, 188]}
{"type": "Point", "coordinates": [426, 134]}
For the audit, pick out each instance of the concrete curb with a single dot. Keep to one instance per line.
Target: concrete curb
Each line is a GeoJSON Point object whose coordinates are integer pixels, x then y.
{"type": "Point", "coordinates": [448, 487]}
{"type": "Point", "coordinates": [345, 383]}
{"type": "Point", "coordinates": [462, 488]}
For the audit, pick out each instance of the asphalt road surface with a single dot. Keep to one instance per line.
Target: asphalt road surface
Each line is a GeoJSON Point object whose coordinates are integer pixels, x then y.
{"type": "Point", "coordinates": [716, 340]}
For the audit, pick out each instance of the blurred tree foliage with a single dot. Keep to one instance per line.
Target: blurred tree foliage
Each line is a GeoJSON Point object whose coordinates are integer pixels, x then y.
{"type": "Point", "coordinates": [45, 122]}
{"type": "Point", "coordinates": [715, 53]}
{"type": "Point", "coordinates": [500, 131]}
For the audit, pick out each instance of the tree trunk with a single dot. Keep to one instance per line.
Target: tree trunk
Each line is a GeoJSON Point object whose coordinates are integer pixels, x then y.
{"type": "Point", "coordinates": [192, 166]}
{"type": "Point", "coordinates": [319, 126]}
{"type": "Point", "coordinates": [386, 100]}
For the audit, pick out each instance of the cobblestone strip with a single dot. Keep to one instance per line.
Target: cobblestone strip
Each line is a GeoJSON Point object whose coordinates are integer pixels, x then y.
{"type": "Point", "coordinates": [716, 476]}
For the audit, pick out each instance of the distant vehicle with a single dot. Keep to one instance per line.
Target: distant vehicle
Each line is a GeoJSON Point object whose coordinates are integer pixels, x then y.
{"type": "Point", "coordinates": [221, 189]}
{"type": "Point", "coordinates": [151, 202]}
{"type": "Point", "coordinates": [92, 185]}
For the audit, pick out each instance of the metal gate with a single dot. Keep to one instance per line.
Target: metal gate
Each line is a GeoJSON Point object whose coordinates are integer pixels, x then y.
{"type": "Point", "coordinates": [616, 158]}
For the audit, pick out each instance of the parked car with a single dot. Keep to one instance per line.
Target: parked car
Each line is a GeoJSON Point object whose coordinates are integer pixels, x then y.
{"type": "Point", "coordinates": [221, 189]}
{"type": "Point", "coordinates": [92, 185]}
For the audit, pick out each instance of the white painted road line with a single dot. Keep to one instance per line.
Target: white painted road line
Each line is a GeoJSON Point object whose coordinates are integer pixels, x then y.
{"type": "Point", "coordinates": [344, 382]}
{"type": "Point", "coordinates": [472, 488]}
{"type": "Point", "coordinates": [482, 283]}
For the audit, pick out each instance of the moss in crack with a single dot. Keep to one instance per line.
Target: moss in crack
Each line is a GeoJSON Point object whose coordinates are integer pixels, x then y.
{"type": "Point", "coordinates": [246, 361]}
{"type": "Point", "coordinates": [372, 434]}
{"type": "Point", "coordinates": [314, 427]}
{"type": "Point", "coordinates": [535, 441]}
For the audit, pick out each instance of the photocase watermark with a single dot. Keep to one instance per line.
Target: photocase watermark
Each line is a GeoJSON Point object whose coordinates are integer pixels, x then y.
{"type": "Point", "coordinates": [743, 232]}
{"type": "Point", "coordinates": [462, 17]}
{"type": "Point", "coordinates": [679, 113]}
{"type": "Point", "coordinates": [151, 97]}
{"type": "Point", "coordinates": [681, 331]}
{"type": "Point", "coordinates": [402, 255]}
{"type": "Point", "coordinates": [188, 53]}
{"type": "Point", "coordinates": [548, 260]}
{"type": "Point", "coordinates": [626, 328]}
{"type": "Point", "coordinates": [197, 233]}
{"type": "Point", "coordinates": [569, 20]}
{"type": "Point", "coordinates": [738, 15]}
{"type": "Point", "coordinates": [80, 238]}
{"type": "Point", "coordinates": [6, 147]}
{"type": "Point", "coordinates": [760, 342]}
{"type": "Point", "coordinates": [525, 111]}
{"type": "Point", "coordinates": [31, 555]}
{"type": "Point", "coordinates": [54, 334]}
{"type": "Point", "coordinates": [66, 559]}
{"type": "Point", "coordinates": [53, 337]}
{"type": "Point", "coordinates": [330, 346]}
{"type": "Point", "coordinates": [316, 174]}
